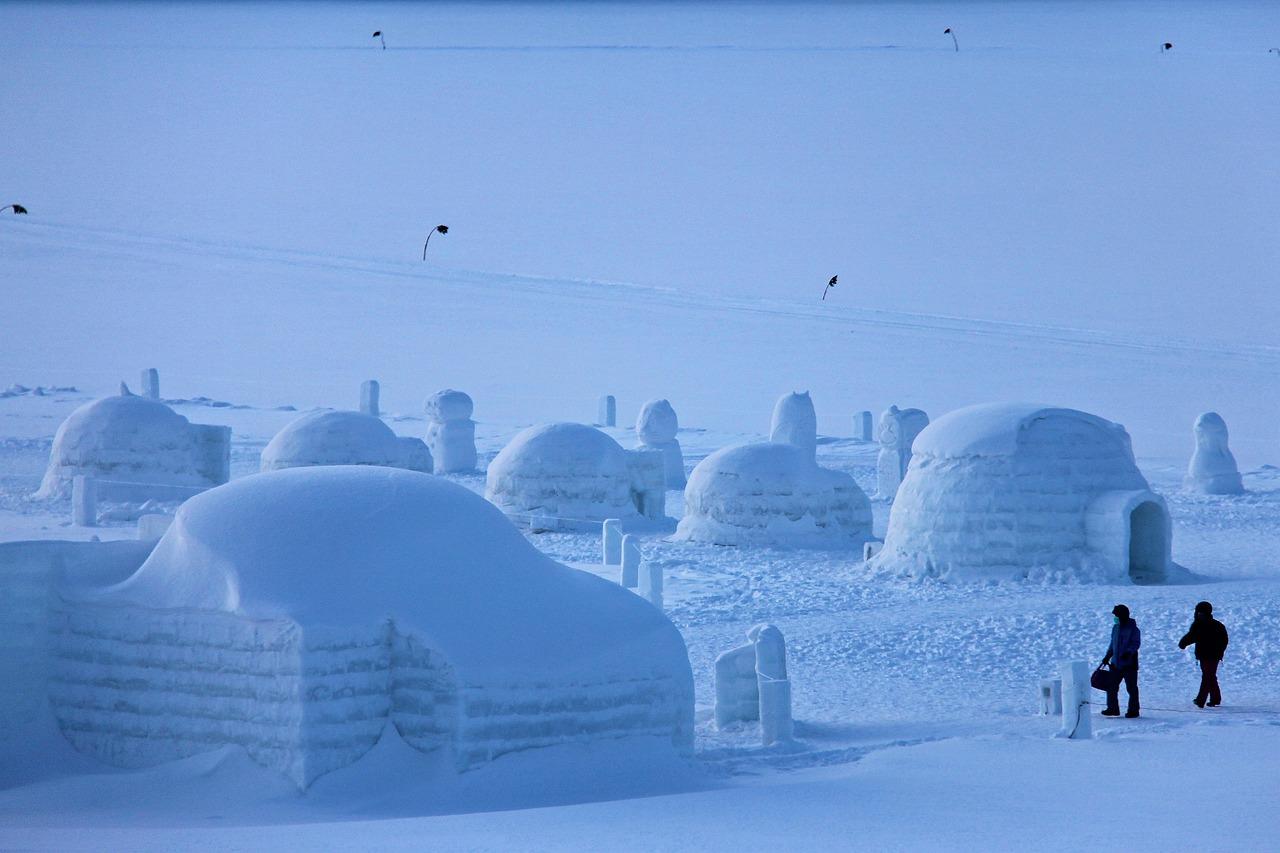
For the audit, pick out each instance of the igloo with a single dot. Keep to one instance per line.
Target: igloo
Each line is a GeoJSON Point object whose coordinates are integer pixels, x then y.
{"type": "Point", "coordinates": [299, 613]}
{"type": "Point", "coordinates": [1213, 468]}
{"type": "Point", "coordinates": [132, 444]}
{"type": "Point", "coordinates": [575, 474]}
{"type": "Point", "coordinates": [1014, 491]}
{"type": "Point", "coordinates": [343, 438]}
{"type": "Point", "coordinates": [451, 434]}
{"type": "Point", "coordinates": [656, 427]}
{"type": "Point", "coordinates": [774, 492]}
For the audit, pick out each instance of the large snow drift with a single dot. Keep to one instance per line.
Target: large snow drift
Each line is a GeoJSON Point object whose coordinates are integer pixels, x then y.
{"type": "Point", "coordinates": [130, 439]}
{"type": "Point", "coordinates": [343, 438]}
{"type": "Point", "coordinates": [297, 612]}
{"type": "Point", "coordinates": [1011, 491]}
{"type": "Point", "coordinates": [773, 494]}
{"type": "Point", "coordinates": [575, 473]}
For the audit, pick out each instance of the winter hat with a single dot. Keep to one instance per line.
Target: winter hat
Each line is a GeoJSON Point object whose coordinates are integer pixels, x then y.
{"type": "Point", "coordinates": [1205, 607]}
{"type": "Point", "coordinates": [1121, 611]}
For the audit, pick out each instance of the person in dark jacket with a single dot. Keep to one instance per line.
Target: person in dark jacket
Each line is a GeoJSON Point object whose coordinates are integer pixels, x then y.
{"type": "Point", "coordinates": [1209, 636]}
{"type": "Point", "coordinates": [1122, 654]}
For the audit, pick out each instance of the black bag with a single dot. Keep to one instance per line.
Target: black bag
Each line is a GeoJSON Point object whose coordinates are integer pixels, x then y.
{"type": "Point", "coordinates": [1105, 679]}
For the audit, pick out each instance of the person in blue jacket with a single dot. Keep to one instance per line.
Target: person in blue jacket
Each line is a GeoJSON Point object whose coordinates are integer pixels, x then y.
{"type": "Point", "coordinates": [1122, 654]}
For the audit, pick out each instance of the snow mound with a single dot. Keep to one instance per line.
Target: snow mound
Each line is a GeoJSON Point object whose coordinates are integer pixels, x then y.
{"type": "Point", "coordinates": [296, 612]}
{"type": "Point", "coordinates": [343, 438]}
{"type": "Point", "coordinates": [574, 472]}
{"type": "Point", "coordinates": [136, 440]}
{"type": "Point", "coordinates": [1014, 491]}
{"type": "Point", "coordinates": [773, 494]}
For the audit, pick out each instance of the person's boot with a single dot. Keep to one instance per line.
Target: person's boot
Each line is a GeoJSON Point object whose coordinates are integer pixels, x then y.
{"type": "Point", "coordinates": [1214, 704]}
{"type": "Point", "coordinates": [1199, 703]}
{"type": "Point", "coordinates": [1129, 715]}
{"type": "Point", "coordinates": [1111, 712]}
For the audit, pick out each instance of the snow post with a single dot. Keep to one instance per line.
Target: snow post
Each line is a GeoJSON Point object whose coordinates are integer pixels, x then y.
{"type": "Point", "coordinates": [1051, 696]}
{"type": "Point", "coordinates": [651, 583]}
{"type": "Point", "coordinates": [608, 415]}
{"type": "Point", "coordinates": [611, 542]}
{"type": "Point", "coordinates": [151, 383]}
{"type": "Point", "coordinates": [862, 429]}
{"type": "Point", "coordinates": [369, 390]}
{"type": "Point", "coordinates": [774, 686]}
{"type": "Point", "coordinates": [153, 525]}
{"type": "Point", "coordinates": [1077, 722]}
{"type": "Point", "coordinates": [630, 561]}
{"type": "Point", "coordinates": [737, 687]}
{"type": "Point", "coordinates": [84, 501]}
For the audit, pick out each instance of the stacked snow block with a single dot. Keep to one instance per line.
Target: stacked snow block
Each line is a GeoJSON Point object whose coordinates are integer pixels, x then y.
{"type": "Point", "coordinates": [1006, 490]}
{"type": "Point", "coordinates": [656, 427]}
{"type": "Point", "coordinates": [451, 433]}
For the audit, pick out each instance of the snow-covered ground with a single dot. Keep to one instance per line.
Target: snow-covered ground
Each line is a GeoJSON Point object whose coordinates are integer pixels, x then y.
{"type": "Point", "coordinates": [1059, 213]}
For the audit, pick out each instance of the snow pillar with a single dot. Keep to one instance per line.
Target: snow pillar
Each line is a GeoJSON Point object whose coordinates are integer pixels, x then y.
{"type": "Point", "coordinates": [773, 684]}
{"type": "Point", "coordinates": [451, 434]}
{"type": "Point", "coordinates": [153, 525]}
{"type": "Point", "coordinates": [608, 415]}
{"type": "Point", "coordinates": [1077, 722]}
{"type": "Point", "coordinates": [651, 583]}
{"type": "Point", "coordinates": [897, 432]}
{"type": "Point", "coordinates": [795, 422]}
{"type": "Point", "coordinates": [1213, 469]}
{"type": "Point", "coordinates": [737, 688]}
{"type": "Point", "coordinates": [1051, 696]}
{"type": "Point", "coordinates": [862, 427]}
{"type": "Point", "coordinates": [611, 542]}
{"type": "Point", "coordinates": [84, 501]}
{"type": "Point", "coordinates": [151, 383]}
{"type": "Point", "coordinates": [369, 390]}
{"type": "Point", "coordinates": [630, 561]}
{"type": "Point", "coordinates": [656, 427]}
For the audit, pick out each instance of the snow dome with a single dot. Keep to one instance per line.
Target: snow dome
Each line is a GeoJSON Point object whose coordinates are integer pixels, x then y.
{"type": "Point", "coordinates": [343, 438]}
{"type": "Point", "coordinates": [575, 473]}
{"type": "Point", "coordinates": [135, 440]}
{"type": "Point", "coordinates": [298, 612]}
{"type": "Point", "coordinates": [1011, 491]}
{"type": "Point", "coordinates": [773, 494]}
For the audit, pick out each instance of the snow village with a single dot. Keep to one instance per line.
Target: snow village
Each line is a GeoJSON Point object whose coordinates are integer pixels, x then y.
{"type": "Point", "coordinates": [607, 516]}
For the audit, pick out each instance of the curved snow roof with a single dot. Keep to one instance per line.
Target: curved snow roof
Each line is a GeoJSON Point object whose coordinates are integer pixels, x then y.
{"type": "Point", "coordinates": [333, 438]}
{"type": "Point", "coordinates": [749, 465]}
{"type": "Point", "coordinates": [120, 417]}
{"type": "Point", "coordinates": [357, 545]}
{"type": "Point", "coordinates": [563, 448]}
{"type": "Point", "coordinates": [994, 429]}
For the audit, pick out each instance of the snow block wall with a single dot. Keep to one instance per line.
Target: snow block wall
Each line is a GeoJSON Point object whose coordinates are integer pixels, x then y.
{"type": "Point", "coordinates": [575, 473]}
{"type": "Point", "coordinates": [343, 438]}
{"type": "Point", "coordinates": [1015, 491]}
{"type": "Point", "coordinates": [280, 615]}
{"type": "Point", "coordinates": [133, 439]}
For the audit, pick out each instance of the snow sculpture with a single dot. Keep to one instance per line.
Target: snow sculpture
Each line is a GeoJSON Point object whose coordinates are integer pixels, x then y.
{"type": "Point", "coordinates": [862, 427]}
{"type": "Point", "coordinates": [773, 494]}
{"type": "Point", "coordinates": [292, 614]}
{"type": "Point", "coordinates": [451, 434]}
{"type": "Point", "coordinates": [151, 383]}
{"type": "Point", "coordinates": [656, 427]}
{"type": "Point", "coordinates": [1213, 468]}
{"type": "Point", "coordinates": [611, 542]}
{"type": "Point", "coordinates": [1015, 491]}
{"type": "Point", "coordinates": [631, 559]}
{"type": "Point", "coordinates": [343, 438]}
{"type": "Point", "coordinates": [1077, 722]}
{"type": "Point", "coordinates": [608, 414]}
{"type": "Point", "coordinates": [898, 430]}
{"type": "Point", "coordinates": [369, 393]}
{"type": "Point", "coordinates": [752, 684]}
{"type": "Point", "coordinates": [577, 474]}
{"type": "Point", "coordinates": [136, 447]}
{"type": "Point", "coordinates": [796, 423]}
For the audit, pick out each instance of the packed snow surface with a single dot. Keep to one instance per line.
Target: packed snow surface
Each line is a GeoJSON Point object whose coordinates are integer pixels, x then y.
{"type": "Point", "coordinates": [343, 438]}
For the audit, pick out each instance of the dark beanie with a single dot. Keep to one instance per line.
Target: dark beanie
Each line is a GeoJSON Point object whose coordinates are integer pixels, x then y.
{"type": "Point", "coordinates": [1205, 608]}
{"type": "Point", "coordinates": [1121, 611]}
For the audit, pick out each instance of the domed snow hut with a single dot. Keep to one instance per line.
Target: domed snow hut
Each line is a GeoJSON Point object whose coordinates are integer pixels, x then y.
{"type": "Point", "coordinates": [294, 614]}
{"type": "Point", "coordinates": [343, 438]}
{"type": "Point", "coordinates": [774, 492]}
{"type": "Point", "coordinates": [1013, 491]}
{"type": "Point", "coordinates": [130, 442]}
{"type": "Point", "coordinates": [575, 474]}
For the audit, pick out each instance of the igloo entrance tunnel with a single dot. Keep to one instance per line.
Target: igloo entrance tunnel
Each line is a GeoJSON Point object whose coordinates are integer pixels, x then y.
{"type": "Point", "coordinates": [297, 613]}
{"type": "Point", "coordinates": [1013, 491]}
